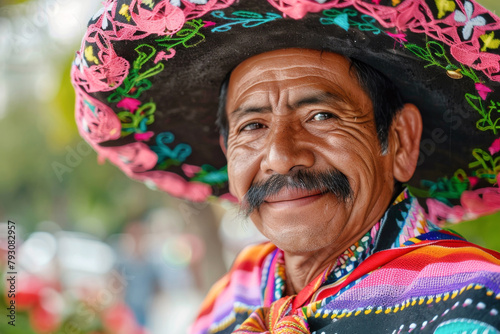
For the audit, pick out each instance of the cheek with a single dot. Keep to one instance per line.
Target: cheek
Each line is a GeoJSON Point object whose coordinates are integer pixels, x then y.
{"type": "Point", "coordinates": [243, 166]}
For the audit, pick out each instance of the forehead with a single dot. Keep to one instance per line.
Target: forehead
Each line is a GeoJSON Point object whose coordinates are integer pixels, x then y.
{"type": "Point", "coordinates": [295, 71]}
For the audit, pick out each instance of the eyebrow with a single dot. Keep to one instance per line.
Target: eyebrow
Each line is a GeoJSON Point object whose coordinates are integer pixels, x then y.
{"type": "Point", "coordinates": [314, 98]}
{"type": "Point", "coordinates": [319, 98]}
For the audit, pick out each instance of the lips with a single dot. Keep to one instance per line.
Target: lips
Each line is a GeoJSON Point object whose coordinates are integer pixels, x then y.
{"type": "Point", "coordinates": [293, 197]}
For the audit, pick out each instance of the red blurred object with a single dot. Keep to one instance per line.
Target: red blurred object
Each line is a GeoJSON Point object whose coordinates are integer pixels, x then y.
{"type": "Point", "coordinates": [27, 291]}
{"type": "Point", "coordinates": [120, 319]}
{"type": "Point", "coordinates": [44, 321]}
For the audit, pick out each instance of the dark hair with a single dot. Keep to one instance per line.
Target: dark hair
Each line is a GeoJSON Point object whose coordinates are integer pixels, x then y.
{"type": "Point", "coordinates": [385, 97]}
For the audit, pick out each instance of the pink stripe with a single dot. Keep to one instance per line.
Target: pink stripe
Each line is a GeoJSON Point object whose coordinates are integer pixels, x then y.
{"type": "Point", "coordinates": [404, 277]}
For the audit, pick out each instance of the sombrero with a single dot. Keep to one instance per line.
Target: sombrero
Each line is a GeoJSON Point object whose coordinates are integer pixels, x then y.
{"type": "Point", "coordinates": [148, 73]}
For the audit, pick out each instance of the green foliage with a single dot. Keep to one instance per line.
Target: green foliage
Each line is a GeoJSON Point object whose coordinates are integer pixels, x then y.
{"type": "Point", "coordinates": [484, 231]}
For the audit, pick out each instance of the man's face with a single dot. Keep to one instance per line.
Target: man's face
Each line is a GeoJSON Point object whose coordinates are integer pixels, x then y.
{"type": "Point", "coordinates": [294, 111]}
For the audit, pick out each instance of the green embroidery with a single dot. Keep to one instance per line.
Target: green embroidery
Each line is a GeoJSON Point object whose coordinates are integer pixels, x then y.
{"type": "Point", "coordinates": [486, 122]}
{"type": "Point", "coordinates": [443, 189]}
{"type": "Point", "coordinates": [435, 54]}
{"type": "Point", "coordinates": [138, 121]}
{"type": "Point", "coordinates": [188, 36]}
{"type": "Point", "coordinates": [167, 156]}
{"type": "Point", "coordinates": [136, 82]}
{"type": "Point", "coordinates": [210, 175]}
{"type": "Point", "coordinates": [487, 167]}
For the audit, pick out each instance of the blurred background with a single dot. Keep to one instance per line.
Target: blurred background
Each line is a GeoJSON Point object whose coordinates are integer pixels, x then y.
{"type": "Point", "coordinates": [97, 252]}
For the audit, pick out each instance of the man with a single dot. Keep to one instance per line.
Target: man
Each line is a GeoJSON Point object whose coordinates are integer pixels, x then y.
{"type": "Point", "coordinates": [297, 122]}
{"type": "Point", "coordinates": [318, 144]}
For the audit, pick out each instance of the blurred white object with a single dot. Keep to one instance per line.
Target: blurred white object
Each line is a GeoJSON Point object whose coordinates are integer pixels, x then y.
{"type": "Point", "coordinates": [37, 251]}
{"type": "Point", "coordinates": [82, 252]}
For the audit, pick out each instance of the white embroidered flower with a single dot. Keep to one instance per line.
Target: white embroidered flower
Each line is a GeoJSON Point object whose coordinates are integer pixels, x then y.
{"type": "Point", "coordinates": [103, 11]}
{"type": "Point", "coordinates": [198, 2]}
{"type": "Point", "coordinates": [470, 23]}
{"type": "Point", "coordinates": [177, 3]}
{"type": "Point", "coordinates": [80, 62]}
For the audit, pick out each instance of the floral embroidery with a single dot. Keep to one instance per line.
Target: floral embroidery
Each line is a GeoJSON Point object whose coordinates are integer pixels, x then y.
{"type": "Point", "coordinates": [491, 118]}
{"type": "Point", "coordinates": [490, 42]}
{"type": "Point", "coordinates": [344, 19]}
{"type": "Point", "coordinates": [189, 32]}
{"type": "Point", "coordinates": [444, 188]}
{"type": "Point", "coordinates": [137, 122]}
{"type": "Point", "coordinates": [177, 3]}
{"type": "Point", "coordinates": [469, 21]}
{"type": "Point", "coordinates": [99, 69]}
{"type": "Point", "coordinates": [89, 55]}
{"type": "Point", "coordinates": [137, 80]}
{"type": "Point", "coordinates": [444, 6]}
{"type": "Point", "coordinates": [105, 12]}
{"type": "Point", "coordinates": [495, 147]}
{"type": "Point", "coordinates": [434, 54]}
{"type": "Point", "coordinates": [167, 156]}
{"type": "Point", "coordinates": [245, 18]}
{"type": "Point", "coordinates": [488, 167]}
{"type": "Point", "coordinates": [124, 11]}
{"type": "Point", "coordinates": [211, 175]}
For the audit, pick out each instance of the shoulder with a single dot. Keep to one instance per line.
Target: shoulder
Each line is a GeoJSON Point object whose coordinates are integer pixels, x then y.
{"type": "Point", "coordinates": [428, 270]}
{"type": "Point", "coordinates": [433, 285]}
{"type": "Point", "coordinates": [241, 285]}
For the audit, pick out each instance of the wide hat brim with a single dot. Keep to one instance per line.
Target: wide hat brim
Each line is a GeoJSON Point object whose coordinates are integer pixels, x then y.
{"type": "Point", "coordinates": [148, 74]}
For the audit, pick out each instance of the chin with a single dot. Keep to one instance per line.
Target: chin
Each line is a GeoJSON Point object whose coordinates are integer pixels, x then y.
{"type": "Point", "coordinates": [300, 240]}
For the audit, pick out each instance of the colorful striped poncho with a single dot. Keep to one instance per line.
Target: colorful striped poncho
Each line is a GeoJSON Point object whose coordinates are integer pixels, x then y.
{"type": "Point", "coordinates": [403, 276]}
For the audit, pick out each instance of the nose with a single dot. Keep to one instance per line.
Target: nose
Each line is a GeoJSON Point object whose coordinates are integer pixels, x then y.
{"type": "Point", "coordinates": [286, 149]}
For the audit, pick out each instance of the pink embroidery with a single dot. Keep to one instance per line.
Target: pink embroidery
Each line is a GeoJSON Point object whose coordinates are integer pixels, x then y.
{"type": "Point", "coordinates": [163, 19]}
{"type": "Point", "coordinates": [416, 16]}
{"type": "Point", "coordinates": [495, 147]}
{"type": "Point", "coordinates": [129, 103]}
{"type": "Point", "coordinates": [143, 136]}
{"type": "Point", "coordinates": [104, 70]}
{"type": "Point", "coordinates": [400, 37]}
{"type": "Point", "coordinates": [481, 202]}
{"type": "Point", "coordinates": [108, 73]}
{"type": "Point", "coordinates": [473, 180]}
{"type": "Point", "coordinates": [131, 158]}
{"type": "Point", "coordinates": [190, 170]}
{"type": "Point", "coordinates": [474, 203]}
{"type": "Point", "coordinates": [97, 121]}
{"type": "Point", "coordinates": [297, 9]}
{"type": "Point", "coordinates": [208, 23]}
{"type": "Point", "coordinates": [162, 55]}
{"type": "Point", "coordinates": [175, 185]}
{"type": "Point", "coordinates": [483, 90]}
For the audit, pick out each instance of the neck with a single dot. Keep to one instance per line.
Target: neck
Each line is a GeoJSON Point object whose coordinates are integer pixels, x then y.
{"type": "Point", "coordinates": [302, 268]}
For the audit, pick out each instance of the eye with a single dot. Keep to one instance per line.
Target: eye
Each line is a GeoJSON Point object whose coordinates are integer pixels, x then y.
{"type": "Point", "coordinates": [252, 126]}
{"type": "Point", "coordinates": [322, 116]}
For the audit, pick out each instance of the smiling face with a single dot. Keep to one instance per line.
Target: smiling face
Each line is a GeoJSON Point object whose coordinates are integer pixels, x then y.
{"type": "Point", "coordinates": [299, 111]}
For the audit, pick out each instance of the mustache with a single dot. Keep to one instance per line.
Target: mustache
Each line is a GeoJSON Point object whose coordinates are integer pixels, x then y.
{"type": "Point", "coordinates": [331, 181]}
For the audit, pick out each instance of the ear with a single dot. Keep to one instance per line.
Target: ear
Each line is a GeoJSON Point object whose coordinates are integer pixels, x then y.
{"type": "Point", "coordinates": [222, 144]}
{"type": "Point", "coordinates": [406, 131]}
